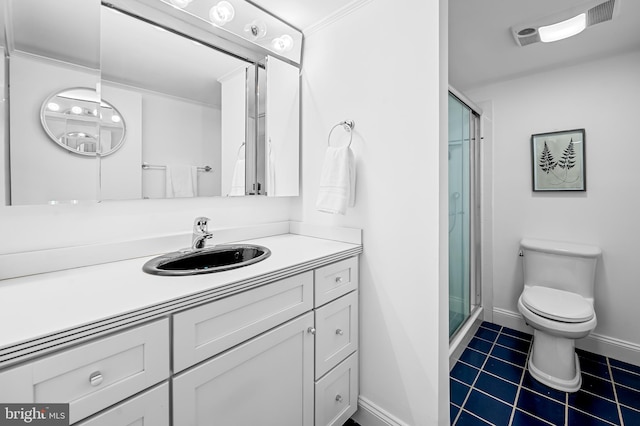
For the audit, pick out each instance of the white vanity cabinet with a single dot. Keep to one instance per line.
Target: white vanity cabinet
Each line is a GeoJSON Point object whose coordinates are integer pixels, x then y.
{"type": "Point", "coordinates": [282, 353]}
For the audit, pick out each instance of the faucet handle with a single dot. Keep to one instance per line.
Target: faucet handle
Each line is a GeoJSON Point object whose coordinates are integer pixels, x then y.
{"type": "Point", "coordinates": [201, 224]}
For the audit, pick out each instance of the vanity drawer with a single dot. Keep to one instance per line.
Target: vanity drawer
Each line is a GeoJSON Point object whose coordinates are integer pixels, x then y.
{"type": "Point", "coordinates": [335, 280]}
{"type": "Point", "coordinates": [207, 330]}
{"type": "Point", "coordinates": [336, 332]}
{"type": "Point", "coordinates": [149, 408]}
{"type": "Point", "coordinates": [93, 376]}
{"type": "Point", "coordinates": [337, 394]}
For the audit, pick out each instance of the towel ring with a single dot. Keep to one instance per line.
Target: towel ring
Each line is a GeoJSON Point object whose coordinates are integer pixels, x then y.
{"type": "Point", "coordinates": [348, 126]}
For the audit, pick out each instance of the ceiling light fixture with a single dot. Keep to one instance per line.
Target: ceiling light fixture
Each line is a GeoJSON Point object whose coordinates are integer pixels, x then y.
{"type": "Point", "coordinates": [566, 23]}
{"type": "Point", "coordinates": [222, 13]}
{"type": "Point", "coordinates": [564, 29]}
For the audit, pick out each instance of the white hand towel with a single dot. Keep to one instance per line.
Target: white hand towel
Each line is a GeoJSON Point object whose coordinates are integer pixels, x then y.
{"type": "Point", "coordinates": [337, 181]}
{"type": "Point", "coordinates": [271, 170]}
{"type": "Point", "coordinates": [237, 180]}
{"type": "Point", "coordinates": [181, 181]}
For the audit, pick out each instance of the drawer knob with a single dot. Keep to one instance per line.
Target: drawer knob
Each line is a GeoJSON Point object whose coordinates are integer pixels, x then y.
{"type": "Point", "coordinates": [339, 398]}
{"type": "Point", "coordinates": [338, 280]}
{"type": "Point", "coordinates": [311, 330]}
{"type": "Point", "coordinates": [339, 332]}
{"type": "Point", "coordinates": [95, 378]}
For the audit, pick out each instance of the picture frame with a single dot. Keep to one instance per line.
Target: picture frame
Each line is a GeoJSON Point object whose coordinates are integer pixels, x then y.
{"type": "Point", "coordinates": [558, 161]}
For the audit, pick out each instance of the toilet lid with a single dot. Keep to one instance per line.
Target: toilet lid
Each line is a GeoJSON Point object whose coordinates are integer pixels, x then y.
{"type": "Point", "coordinates": [557, 305]}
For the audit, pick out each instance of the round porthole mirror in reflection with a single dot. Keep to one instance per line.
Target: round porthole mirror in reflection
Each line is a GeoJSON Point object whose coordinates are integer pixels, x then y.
{"type": "Point", "coordinates": [80, 122]}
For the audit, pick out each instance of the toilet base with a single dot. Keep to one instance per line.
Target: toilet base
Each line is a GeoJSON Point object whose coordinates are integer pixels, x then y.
{"type": "Point", "coordinates": [554, 362]}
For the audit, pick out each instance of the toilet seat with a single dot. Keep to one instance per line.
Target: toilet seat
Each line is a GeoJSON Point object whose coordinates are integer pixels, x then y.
{"type": "Point", "coordinates": [558, 305]}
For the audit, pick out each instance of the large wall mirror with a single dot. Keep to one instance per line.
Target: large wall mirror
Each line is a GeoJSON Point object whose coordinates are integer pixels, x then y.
{"type": "Point", "coordinates": [140, 99]}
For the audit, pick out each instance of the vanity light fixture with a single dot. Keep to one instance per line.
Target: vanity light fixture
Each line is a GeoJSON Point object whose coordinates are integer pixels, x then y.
{"type": "Point", "coordinates": [255, 30]}
{"type": "Point", "coordinates": [52, 106]}
{"type": "Point", "coordinates": [181, 4]}
{"type": "Point", "coordinates": [76, 109]}
{"type": "Point", "coordinates": [564, 29]}
{"type": "Point", "coordinates": [222, 13]}
{"type": "Point", "coordinates": [284, 43]}
{"type": "Point", "coordinates": [115, 118]}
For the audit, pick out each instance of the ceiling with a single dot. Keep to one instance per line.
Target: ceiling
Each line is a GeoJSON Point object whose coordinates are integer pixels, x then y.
{"type": "Point", "coordinates": [482, 49]}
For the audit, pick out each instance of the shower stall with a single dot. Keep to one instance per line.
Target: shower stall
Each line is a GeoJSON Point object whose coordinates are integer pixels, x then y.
{"type": "Point", "coordinates": [464, 230]}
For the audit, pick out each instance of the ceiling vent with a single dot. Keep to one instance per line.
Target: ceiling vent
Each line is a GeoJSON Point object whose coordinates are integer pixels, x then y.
{"type": "Point", "coordinates": [586, 15]}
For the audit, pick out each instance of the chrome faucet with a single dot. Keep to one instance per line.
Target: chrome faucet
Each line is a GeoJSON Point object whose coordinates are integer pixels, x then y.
{"type": "Point", "coordinates": [200, 232]}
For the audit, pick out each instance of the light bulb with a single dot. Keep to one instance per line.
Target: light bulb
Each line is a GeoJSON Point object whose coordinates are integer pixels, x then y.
{"type": "Point", "coordinates": [180, 3]}
{"type": "Point", "coordinates": [115, 118]}
{"type": "Point", "coordinates": [284, 43]}
{"type": "Point", "coordinates": [221, 13]}
{"type": "Point", "coordinates": [53, 106]}
{"type": "Point", "coordinates": [255, 30]}
{"type": "Point", "coordinates": [76, 109]}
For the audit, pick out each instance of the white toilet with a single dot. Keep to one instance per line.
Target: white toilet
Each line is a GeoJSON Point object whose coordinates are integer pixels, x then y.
{"type": "Point", "coordinates": [557, 301]}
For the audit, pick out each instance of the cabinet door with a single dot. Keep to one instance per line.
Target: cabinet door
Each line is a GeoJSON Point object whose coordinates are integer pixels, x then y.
{"type": "Point", "coordinates": [265, 381]}
{"type": "Point", "coordinates": [148, 408]}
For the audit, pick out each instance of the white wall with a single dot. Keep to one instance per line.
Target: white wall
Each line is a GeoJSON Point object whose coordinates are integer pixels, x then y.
{"type": "Point", "coordinates": [602, 97]}
{"type": "Point", "coordinates": [387, 75]}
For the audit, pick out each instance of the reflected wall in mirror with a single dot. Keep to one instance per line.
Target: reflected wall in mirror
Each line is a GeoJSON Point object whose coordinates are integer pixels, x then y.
{"type": "Point", "coordinates": [47, 55]}
{"type": "Point", "coordinates": [185, 105]}
{"type": "Point", "coordinates": [195, 114]}
{"type": "Point", "coordinates": [78, 121]}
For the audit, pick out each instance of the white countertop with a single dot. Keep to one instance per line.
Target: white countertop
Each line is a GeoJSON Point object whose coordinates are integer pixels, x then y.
{"type": "Point", "coordinates": [39, 307]}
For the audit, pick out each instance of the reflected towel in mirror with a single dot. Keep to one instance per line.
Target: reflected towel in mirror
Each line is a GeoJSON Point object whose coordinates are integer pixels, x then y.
{"type": "Point", "coordinates": [337, 181]}
{"type": "Point", "coordinates": [181, 181]}
{"type": "Point", "coordinates": [237, 180]}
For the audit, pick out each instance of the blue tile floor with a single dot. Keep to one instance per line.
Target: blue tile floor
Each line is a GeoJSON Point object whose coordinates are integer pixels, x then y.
{"type": "Point", "coordinates": [491, 385]}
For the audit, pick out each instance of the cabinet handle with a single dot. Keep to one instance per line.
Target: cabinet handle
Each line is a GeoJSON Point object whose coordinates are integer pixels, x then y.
{"type": "Point", "coordinates": [339, 398]}
{"type": "Point", "coordinates": [338, 280]}
{"type": "Point", "coordinates": [95, 378]}
{"type": "Point", "coordinates": [311, 330]}
{"type": "Point", "coordinates": [339, 332]}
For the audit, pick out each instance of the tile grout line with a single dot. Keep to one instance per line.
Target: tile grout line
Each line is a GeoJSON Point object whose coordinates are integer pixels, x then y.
{"type": "Point", "coordinates": [471, 387]}
{"type": "Point", "coordinates": [524, 371]}
{"type": "Point", "coordinates": [615, 392]}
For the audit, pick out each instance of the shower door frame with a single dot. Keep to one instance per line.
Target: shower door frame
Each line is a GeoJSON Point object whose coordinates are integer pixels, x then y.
{"type": "Point", "coordinates": [475, 186]}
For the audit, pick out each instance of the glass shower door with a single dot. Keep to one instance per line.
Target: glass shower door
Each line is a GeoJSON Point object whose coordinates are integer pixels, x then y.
{"type": "Point", "coordinates": [463, 127]}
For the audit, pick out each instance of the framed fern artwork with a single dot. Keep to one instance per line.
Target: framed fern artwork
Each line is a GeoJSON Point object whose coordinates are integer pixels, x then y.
{"type": "Point", "coordinates": [558, 161]}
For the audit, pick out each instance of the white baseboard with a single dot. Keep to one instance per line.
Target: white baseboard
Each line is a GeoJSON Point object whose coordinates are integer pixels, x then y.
{"type": "Point", "coordinates": [369, 414]}
{"type": "Point", "coordinates": [596, 343]}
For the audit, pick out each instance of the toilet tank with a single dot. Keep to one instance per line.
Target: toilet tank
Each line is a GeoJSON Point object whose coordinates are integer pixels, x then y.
{"type": "Point", "coordinates": [563, 266]}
